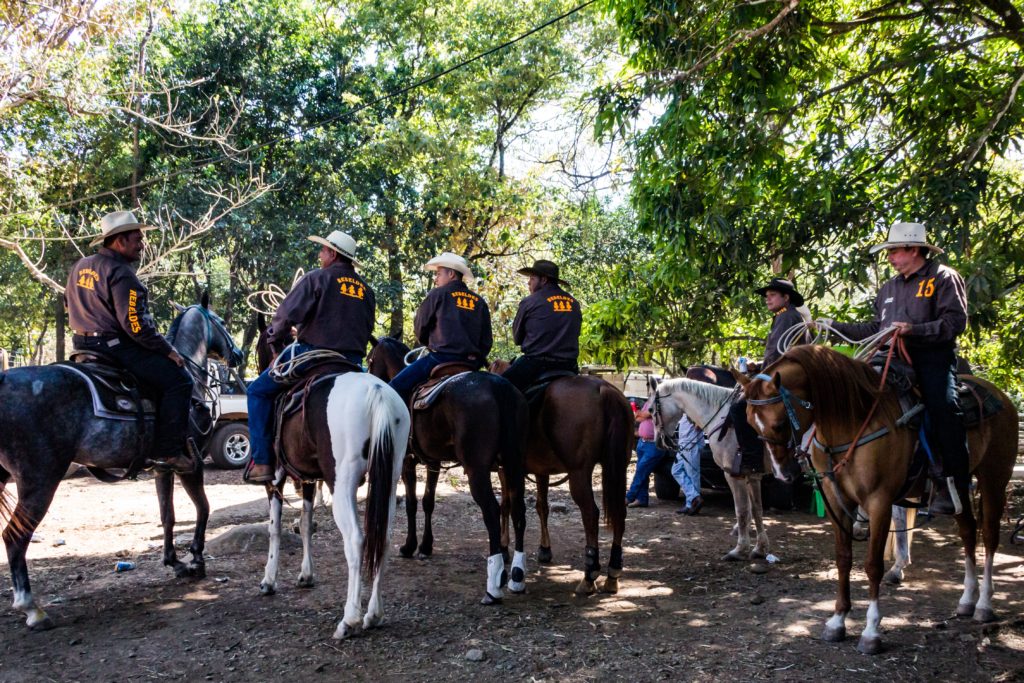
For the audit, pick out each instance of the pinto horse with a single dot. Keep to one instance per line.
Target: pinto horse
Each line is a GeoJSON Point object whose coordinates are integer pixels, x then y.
{"type": "Point", "coordinates": [581, 422]}
{"type": "Point", "coordinates": [48, 422]}
{"type": "Point", "coordinates": [813, 384]}
{"type": "Point", "coordinates": [351, 428]}
{"type": "Point", "coordinates": [707, 406]}
{"type": "Point", "coordinates": [480, 422]}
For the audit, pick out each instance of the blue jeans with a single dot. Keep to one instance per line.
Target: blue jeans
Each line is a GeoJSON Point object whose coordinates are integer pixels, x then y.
{"type": "Point", "coordinates": [648, 455]}
{"type": "Point", "coordinates": [686, 468]}
{"type": "Point", "coordinates": [260, 398]}
{"type": "Point", "coordinates": [415, 374]}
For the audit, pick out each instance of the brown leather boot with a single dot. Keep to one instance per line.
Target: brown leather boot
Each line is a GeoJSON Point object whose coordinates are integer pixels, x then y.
{"type": "Point", "coordinates": [259, 474]}
{"type": "Point", "coordinates": [942, 502]}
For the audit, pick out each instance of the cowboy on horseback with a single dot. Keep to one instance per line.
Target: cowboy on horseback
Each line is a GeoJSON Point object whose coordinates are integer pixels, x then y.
{"type": "Point", "coordinates": [332, 308]}
{"type": "Point", "coordinates": [546, 327]}
{"type": "Point", "coordinates": [926, 303]}
{"type": "Point", "coordinates": [453, 322]}
{"type": "Point", "coordinates": [109, 313]}
{"type": "Point", "coordinates": [782, 300]}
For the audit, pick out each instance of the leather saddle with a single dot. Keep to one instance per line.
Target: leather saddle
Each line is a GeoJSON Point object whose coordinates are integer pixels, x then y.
{"type": "Point", "coordinates": [535, 392]}
{"type": "Point", "coordinates": [426, 394]}
{"type": "Point", "coordinates": [116, 394]}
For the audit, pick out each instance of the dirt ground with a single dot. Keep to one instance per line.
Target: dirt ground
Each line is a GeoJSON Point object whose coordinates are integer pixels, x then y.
{"type": "Point", "coordinates": [681, 614]}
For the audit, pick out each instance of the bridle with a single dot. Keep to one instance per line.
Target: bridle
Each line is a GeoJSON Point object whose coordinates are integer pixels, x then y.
{"type": "Point", "coordinates": [672, 442]}
{"type": "Point", "coordinates": [787, 399]}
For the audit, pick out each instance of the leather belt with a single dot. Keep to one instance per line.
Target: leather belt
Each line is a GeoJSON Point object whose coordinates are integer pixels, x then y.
{"type": "Point", "coordinates": [93, 334]}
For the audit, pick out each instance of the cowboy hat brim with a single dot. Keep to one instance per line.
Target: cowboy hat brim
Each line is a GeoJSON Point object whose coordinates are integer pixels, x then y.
{"type": "Point", "coordinates": [896, 245]}
{"type": "Point", "coordinates": [127, 227]}
{"type": "Point", "coordinates": [795, 297]}
{"type": "Point", "coordinates": [530, 271]}
{"type": "Point", "coordinates": [334, 247]}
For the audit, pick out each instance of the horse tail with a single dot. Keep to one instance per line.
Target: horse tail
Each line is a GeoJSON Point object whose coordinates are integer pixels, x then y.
{"type": "Point", "coordinates": [618, 430]}
{"type": "Point", "coordinates": [385, 416]}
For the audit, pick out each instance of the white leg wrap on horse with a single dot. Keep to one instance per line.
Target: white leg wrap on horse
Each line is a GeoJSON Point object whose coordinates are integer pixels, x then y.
{"type": "Point", "coordinates": [983, 608]}
{"type": "Point", "coordinates": [954, 495]}
{"type": "Point", "coordinates": [495, 568]}
{"type": "Point", "coordinates": [970, 595]}
{"type": "Point", "coordinates": [518, 563]}
{"type": "Point", "coordinates": [872, 622]}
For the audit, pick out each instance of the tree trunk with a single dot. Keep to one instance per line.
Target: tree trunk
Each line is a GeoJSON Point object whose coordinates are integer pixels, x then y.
{"type": "Point", "coordinates": [397, 323]}
{"type": "Point", "coordinates": [59, 310]}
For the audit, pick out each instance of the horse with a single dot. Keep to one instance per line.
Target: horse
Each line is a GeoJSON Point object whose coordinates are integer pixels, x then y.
{"type": "Point", "coordinates": [707, 406]}
{"type": "Point", "coordinates": [48, 422]}
{"type": "Point", "coordinates": [351, 428]}
{"type": "Point", "coordinates": [581, 422]}
{"type": "Point", "coordinates": [479, 420]}
{"type": "Point", "coordinates": [840, 397]}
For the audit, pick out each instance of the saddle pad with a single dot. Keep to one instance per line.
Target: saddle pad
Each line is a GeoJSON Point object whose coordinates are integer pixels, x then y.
{"type": "Point", "coordinates": [426, 394]}
{"type": "Point", "coordinates": [114, 396]}
{"type": "Point", "coordinates": [976, 401]}
{"type": "Point", "coordinates": [535, 392]}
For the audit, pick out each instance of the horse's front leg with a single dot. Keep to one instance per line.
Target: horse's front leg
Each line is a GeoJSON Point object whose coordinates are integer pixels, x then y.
{"type": "Point", "coordinates": [269, 584]}
{"type": "Point", "coordinates": [506, 508]}
{"type": "Point", "coordinates": [483, 494]}
{"type": "Point", "coordinates": [761, 547]}
{"type": "Point", "coordinates": [429, 495]}
{"type": "Point", "coordinates": [582, 492]}
{"type": "Point", "coordinates": [193, 485]}
{"type": "Point", "coordinates": [901, 546]}
{"type": "Point", "coordinates": [874, 565]}
{"type": "Point", "coordinates": [544, 555]}
{"type": "Point", "coordinates": [32, 505]}
{"type": "Point", "coordinates": [741, 501]}
{"type": "Point", "coordinates": [969, 600]}
{"type": "Point", "coordinates": [409, 480]}
{"type": "Point", "coordinates": [165, 497]}
{"type": "Point", "coordinates": [306, 529]}
{"type": "Point", "coordinates": [835, 627]}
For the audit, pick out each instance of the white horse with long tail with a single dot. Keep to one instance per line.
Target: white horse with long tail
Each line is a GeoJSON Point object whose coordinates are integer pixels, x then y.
{"type": "Point", "coordinates": [707, 406]}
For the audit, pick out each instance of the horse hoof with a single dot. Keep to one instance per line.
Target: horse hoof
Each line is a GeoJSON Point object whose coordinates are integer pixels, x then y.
{"type": "Point", "coordinates": [267, 589]}
{"type": "Point", "coordinates": [893, 578]}
{"type": "Point", "coordinates": [305, 582]}
{"type": "Point", "coordinates": [517, 587]}
{"type": "Point", "coordinates": [869, 646]}
{"type": "Point", "coordinates": [517, 580]}
{"type": "Point", "coordinates": [44, 624]}
{"type": "Point", "coordinates": [860, 533]}
{"type": "Point", "coordinates": [489, 599]}
{"type": "Point", "coordinates": [544, 555]}
{"type": "Point", "coordinates": [346, 631]}
{"type": "Point", "coordinates": [984, 615]}
{"type": "Point", "coordinates": [422, 555]}
{"type": "Point", "coordinates": [965, 609]}
{"type": "Point", "coordinates": [586, 587]}
{"type": "Point", "coordinates": [610, 585]}
{"type": "Point", "coordinates": [834, 635]}
{"type": "Point", "coordinates": [733, 556]}
{"type": "Point", "coordinates": [407, 552]}
{"type": "Point", "coordinates": [757, 555]}
{"type": "Point", "coordinates": [197, 571]}
{"type": "Point", "coordinates": [372, 621]}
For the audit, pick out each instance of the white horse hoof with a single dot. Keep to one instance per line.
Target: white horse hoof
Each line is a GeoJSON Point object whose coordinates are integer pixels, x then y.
{"type": "Point", "coordinates": [834, 635]}
{"type": "Point", "coordinates": [869, 646]}
{"type": "Point", "coordinates": [489, 599]}
{"type": "Point", "coordinates": [372, 621]}
{"type": "Point", "coordinates": [346, 631]}
{"type": "Point", "coordinates": [518, 587]}
{"type": "Point", "coordinates": [305, 582]}
{"type": "Point", "coordinates": [965, 609]}
{"type": "Point", "coordinates": [267, 588]}
{"type": "Point", "coordinates": [984, 615]}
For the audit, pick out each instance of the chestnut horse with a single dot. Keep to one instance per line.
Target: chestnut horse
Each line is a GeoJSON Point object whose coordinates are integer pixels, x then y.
{"type": "Point", "coordinates": [479, 421]}
{"type": "Point", "coordinates": [581, 422]}
{"type": "Point", "coordinates": [813, 384]}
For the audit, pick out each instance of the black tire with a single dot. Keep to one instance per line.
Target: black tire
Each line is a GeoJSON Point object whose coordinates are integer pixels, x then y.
{"type": "Point", "coordinates": [230, 447]}
{"type": "Point", "coordinates": [665, 485]}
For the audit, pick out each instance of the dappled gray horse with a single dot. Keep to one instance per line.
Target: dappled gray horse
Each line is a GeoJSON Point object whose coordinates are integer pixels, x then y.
{"type": "Point", "coordinates": [47, 422]}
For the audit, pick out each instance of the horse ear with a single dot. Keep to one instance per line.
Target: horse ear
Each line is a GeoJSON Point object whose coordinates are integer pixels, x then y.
{"type": "Point", "coordinates": [178, 307]}
{"type": "Point", "coordinates": [204, 300]}
{"type": "Point", "coordinates": [652, 383]}
{"type": "Point", "coordinates": [740, 378]}
{"type": "Point", "coordinates": [777, 380]}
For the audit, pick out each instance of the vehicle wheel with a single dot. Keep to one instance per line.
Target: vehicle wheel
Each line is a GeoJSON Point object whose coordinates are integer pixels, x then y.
{"type": "Point", "coordinates": [230, 446]}
{"type": "Point", "coordinates": [665, 485]}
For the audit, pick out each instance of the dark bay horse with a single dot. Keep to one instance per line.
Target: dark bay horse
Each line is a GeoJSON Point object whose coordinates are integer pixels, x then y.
{"type": "Point", "coordinates": [351, 428]}
{"type": "Point", "coordinates": [813, 384]}
{"type": "Point", "coordinates": [480, 422]}
{"type": "Point", "coordinates": [582, 421]}
{"type": "Point", "coordinates": [48, 422]}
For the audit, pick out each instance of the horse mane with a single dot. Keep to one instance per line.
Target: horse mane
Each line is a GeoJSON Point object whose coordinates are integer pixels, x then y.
{"type": "Point", "coordinates": [840, 388]}
{"type": "Point", "coordinates": [175, 325]}
{"type": "Point", "coordinates": [394, 345]}
{"type": "Point", "coordinates": [704, 391]}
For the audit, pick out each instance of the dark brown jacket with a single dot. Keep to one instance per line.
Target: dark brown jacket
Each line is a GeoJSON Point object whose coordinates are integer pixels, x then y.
{"type": "Point", "coordinates": [453, 319]}
{"type": "Point", "coordinates": [332, 308]}
{"type": "Point", "coordinates": [784, 319]}
{"type": "Point", "coordinates": [933, 300]}
{"type": "Point", "coordinates": [548, 324]}
{"type": "Point", "coordinates": [105, 296]}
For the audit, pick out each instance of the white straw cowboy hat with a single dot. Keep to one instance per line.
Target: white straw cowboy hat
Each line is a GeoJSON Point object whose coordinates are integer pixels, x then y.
{"type": "Point", "coordinates": [449, 260]}
{"type": "Point", "coordinates": [117, 222]}
{"type": "Point", "coordinates": [906, 235]}
{"type": "Point", "coordinates": [340, 242]}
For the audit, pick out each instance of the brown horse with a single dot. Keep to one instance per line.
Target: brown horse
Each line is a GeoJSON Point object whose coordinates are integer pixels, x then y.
{"type": "Point", "coordinates": [581, 422]}
{"type": "Point", "coordinates": [813, 384]}
{"type": "Point", "coordinates": [478, 421]}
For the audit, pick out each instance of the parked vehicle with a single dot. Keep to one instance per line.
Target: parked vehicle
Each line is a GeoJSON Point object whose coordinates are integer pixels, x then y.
{"type": "Point", "coordinates": [229, 447]}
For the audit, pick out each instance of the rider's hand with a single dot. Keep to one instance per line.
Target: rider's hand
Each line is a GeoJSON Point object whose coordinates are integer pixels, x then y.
{"type": "Point", "coordinates": [901, 328]}
{"type": "Point", "coordinates": [176, 359]}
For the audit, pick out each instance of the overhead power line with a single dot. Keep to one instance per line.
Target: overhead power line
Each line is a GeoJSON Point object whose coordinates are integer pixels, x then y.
{"type": "Point", "coordinates": [202, 163]}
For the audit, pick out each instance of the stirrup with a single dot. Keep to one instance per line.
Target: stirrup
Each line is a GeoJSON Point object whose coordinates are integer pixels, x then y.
{"type": "Point", "coordinates": [954, 495]}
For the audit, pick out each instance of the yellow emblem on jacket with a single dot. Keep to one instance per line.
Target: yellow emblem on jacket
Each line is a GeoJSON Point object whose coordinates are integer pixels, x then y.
{"type": "Point", "coordinates": [465, 300]}
{"type": "Point", "coordinates": [561, 303]}
{"type": "Point", "coordinates": [351, 287]}
{"type": "Point", "coordinates": [87, 278]}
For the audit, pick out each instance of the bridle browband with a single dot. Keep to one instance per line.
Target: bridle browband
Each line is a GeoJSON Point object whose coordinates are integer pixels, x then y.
{"type": "Point", "coordinates": [787, 398]}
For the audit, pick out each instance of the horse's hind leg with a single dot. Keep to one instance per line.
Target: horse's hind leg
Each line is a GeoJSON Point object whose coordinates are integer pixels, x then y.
{"type": "Point", "coordinates": [33, 502]}
{"type": "Point", "coordinates": [741, 500]}
{"type": "Point", "coordinates": [992, 504]}
{"type": "Point", "coordinates": [901, 546]}
{"type": "Point", "coordinates": [347, 519]}
{"type": "Point", "coordinates": [870, 642]}
{"type": "Point", "coordinates": [269, 584]}
{"type": "Point", "coordinates": [506, 510]}
{"type": "Point", "coordinates": [968, 527]}
{"type": "Point", "coordinates": [761, 547]}
{"type": "Point", "coordinates": [483, 494]}
{"type": "Point", "coordinates": [193, 485]}
{"type": "Point", "coordinates": [409, 480]}
{"type": "Point", "coordinates": [544, 555]}
{"type": "Point", "coordinates": [582, 492]}
{"type": "Point", "coordinates": [429, 496]}
{"type": "Point", "coordinates": [306, 529]}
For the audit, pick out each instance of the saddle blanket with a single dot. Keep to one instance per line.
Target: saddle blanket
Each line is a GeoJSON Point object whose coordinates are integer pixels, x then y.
{"type": "Point", "coordinates": [115, 395]}
{"type": "Point", "coordinates": [426, 394]}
